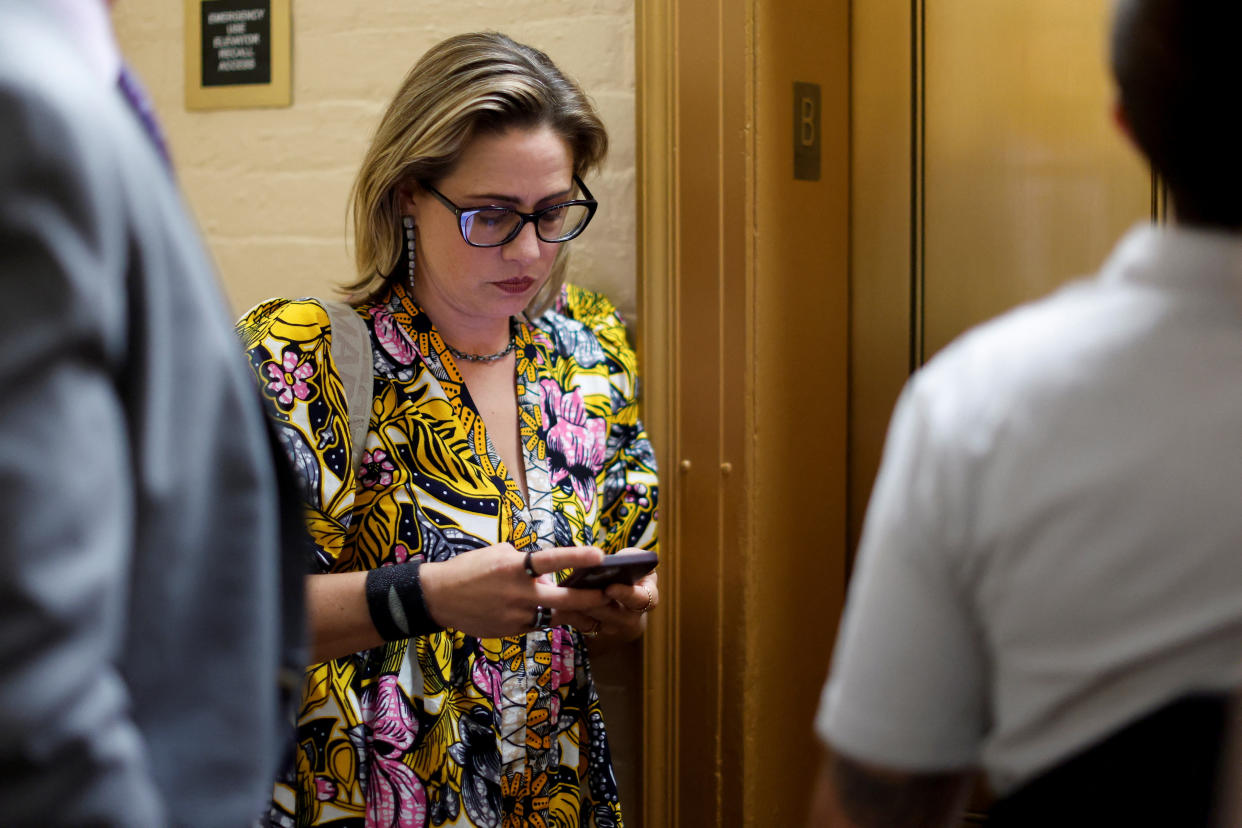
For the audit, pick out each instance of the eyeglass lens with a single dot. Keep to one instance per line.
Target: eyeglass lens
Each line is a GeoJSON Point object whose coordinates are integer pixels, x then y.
{"type": "Point", "coordinates": [493, 225]}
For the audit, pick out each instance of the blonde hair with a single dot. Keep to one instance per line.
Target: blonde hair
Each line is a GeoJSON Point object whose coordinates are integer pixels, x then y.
{"type": "Point", "coordinates": [464, 86]}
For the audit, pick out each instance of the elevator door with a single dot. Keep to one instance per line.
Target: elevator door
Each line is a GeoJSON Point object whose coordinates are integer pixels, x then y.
{"type": "Point", "coordinates": [987, 171]}
{"type": "Point", "coordinates": [1027, 182]}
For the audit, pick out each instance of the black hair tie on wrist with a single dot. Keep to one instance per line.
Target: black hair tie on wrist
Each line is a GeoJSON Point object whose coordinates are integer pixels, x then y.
{"type": "Point", "coordinates": [395, 601]}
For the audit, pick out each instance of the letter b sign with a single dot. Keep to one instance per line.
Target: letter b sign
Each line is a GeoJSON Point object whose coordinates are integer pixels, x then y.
{"type": "Point", "coordinates": [806, 131]}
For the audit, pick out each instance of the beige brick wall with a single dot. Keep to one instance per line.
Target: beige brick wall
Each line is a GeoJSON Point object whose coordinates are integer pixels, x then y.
{"type": "Point", "coordinates": [269, 186]}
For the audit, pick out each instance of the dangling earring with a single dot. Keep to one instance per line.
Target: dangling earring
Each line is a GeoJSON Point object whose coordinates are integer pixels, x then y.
{"type": "Point", "coordinates": [408, 221]}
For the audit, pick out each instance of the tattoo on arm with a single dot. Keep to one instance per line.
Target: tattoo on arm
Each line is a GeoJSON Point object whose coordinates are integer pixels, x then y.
{"type": "Point", "coordinates": [887, 799]}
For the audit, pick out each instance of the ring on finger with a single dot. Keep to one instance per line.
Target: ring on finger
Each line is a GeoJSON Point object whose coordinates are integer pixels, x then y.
{"type": "Point", "coordinates": [529, 565]}
{"type": "Point", "coordinates": [543, 617]}
{"type": "Point", "coordinates": [594, 631]}
{"type": "Point", "coordinates": [649, 605]}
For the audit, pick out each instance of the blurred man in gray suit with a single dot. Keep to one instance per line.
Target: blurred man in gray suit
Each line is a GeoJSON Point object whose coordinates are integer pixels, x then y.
{"type": "Point", "coordinates": [149, 600]}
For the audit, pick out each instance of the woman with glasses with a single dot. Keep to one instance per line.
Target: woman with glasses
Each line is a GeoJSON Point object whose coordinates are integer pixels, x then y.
{"type": "Point", "coordinates": [452, 684]}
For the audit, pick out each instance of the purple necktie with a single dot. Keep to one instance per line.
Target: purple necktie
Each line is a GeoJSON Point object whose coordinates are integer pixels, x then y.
{"type": "Point", "coordinates": [133, 91]}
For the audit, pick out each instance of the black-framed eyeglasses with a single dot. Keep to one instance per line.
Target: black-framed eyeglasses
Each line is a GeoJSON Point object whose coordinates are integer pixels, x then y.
{"type": "Point", "coordinates": [493, 226]}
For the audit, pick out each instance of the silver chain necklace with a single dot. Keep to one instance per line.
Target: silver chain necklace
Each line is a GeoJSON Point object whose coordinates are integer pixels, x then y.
{"type": "Point", "coordinates": [485, 357]}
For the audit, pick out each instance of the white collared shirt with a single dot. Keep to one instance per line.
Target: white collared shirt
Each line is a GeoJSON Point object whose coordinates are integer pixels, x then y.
{"type": "Point", "coordinates": [1052, 546]}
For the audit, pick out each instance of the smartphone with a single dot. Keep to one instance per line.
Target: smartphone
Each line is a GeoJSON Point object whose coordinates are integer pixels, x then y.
{"type": "Point", "coordinates": [621, 568]}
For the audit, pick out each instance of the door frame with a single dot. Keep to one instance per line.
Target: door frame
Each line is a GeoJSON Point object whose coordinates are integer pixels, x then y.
{"type": "Point", "coordinates": [657, 302]}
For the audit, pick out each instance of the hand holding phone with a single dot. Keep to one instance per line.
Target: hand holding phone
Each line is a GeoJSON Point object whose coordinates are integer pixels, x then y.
{"type": "Point", "coordinates": [624, 567]}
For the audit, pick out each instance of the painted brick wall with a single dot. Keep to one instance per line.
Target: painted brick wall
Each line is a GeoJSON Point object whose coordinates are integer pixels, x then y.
{"type": "Point", "coordinates": [269, 186]}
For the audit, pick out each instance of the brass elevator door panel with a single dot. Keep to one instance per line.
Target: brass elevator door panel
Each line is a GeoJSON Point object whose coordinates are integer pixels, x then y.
{"type": "Point", "coordinates": [985, 171]}
{"type": "Point", "coordinates": [1026, 180]}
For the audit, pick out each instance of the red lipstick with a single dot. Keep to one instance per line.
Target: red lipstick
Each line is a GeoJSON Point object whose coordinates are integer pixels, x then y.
{"type": "Point", "coordinates": [518, 285]}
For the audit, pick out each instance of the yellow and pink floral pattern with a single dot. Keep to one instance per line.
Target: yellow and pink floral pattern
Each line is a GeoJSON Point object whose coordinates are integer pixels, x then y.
{"type": "Point", "coordinates": [448, 729]}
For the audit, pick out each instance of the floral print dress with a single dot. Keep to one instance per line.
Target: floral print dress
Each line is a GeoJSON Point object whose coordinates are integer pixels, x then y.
{"type": "Point", "coordinates": [448, 729]}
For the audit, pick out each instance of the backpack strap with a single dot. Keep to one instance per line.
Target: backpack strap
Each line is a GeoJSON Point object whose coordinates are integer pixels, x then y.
{"type": "Point", "coordinates": [355, 365]}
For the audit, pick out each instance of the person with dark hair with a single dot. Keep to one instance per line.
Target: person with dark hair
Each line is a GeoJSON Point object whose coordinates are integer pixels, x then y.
{"type": "Point", "coordinates": [150, 566]}
{"type": "Point", "coordinates": [501, 443]}
{"type": "Point", "coordinates": [1176, 66]}
{"type": "Point", "coordinates": [1049, 584]}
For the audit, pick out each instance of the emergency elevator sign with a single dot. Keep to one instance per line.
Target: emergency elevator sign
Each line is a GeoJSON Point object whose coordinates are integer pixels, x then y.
{"type": "Point", "coordinates": [236, 42]}
{"type": "Point", "coordinates": [238, 54]}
